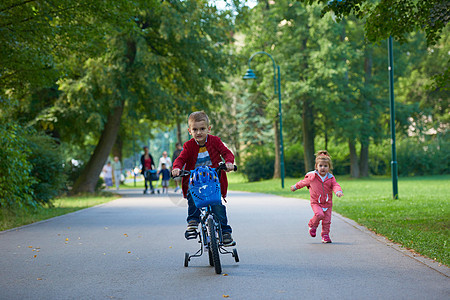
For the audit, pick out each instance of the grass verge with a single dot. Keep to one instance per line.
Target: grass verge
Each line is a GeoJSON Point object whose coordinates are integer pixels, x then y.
{"type": "Point", "coordinates": [419, 219]}
{"type": "Point", "coordinates": [61, 206]}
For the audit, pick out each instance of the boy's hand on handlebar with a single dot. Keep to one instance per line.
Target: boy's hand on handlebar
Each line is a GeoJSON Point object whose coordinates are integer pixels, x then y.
{"type": "Point", "coordinates": [230, 167]}
{"type": "Point", "coordinates": [175, 172]}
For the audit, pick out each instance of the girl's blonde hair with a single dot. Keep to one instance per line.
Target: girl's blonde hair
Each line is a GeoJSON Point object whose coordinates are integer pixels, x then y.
{"type": "Point", "coordinates": [323, 156]}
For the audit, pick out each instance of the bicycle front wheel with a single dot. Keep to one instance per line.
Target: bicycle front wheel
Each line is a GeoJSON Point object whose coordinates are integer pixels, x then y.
{"type": "Point", "coordinates": [214, 246]}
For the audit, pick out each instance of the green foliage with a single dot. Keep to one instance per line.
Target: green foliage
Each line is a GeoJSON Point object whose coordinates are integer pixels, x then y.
{"type": "Point", "coordinates": [259, 166]}
{"type": "Point", "coordinates": [31, 167]}
{"type": "Point", "coordinates": [48, 170]}
{"type": "Point", "coordinates": [16, 179]}
{"type": "Point", "coordinates": [397, 18]}
{"type": "Point", "coordinates": [294, 164]}
{"type": "Point", "coordinates": [37, 35]}
{"type": "Point", "coordinates": [416, 158]}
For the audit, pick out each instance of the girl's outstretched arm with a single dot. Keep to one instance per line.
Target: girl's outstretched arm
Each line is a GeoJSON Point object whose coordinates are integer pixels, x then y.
{"type": "Point", "coordinates": [302, 183]}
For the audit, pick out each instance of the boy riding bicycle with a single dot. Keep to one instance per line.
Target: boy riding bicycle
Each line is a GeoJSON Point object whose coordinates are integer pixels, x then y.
{"type": "Point", "coordinates": [204, 150]}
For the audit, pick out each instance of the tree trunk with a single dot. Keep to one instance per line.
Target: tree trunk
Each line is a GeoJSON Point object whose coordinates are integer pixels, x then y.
{"type": "Point", "coordinates": [276, 167]}
{"type": "Point", "coordinates": [179, 139]}
{"type": "Point", "coordinates": [89, 176]}
{"type": "Point", "coordinates": [308, 135]}
{"type": "Point", "coordinates": [354, 166]}
{"type": "Point", "coordinates": [364, 155]}
{"type": "Point", "coordinates": [364, 159]}
{"type": "Point", "coordinates": [118, 147]}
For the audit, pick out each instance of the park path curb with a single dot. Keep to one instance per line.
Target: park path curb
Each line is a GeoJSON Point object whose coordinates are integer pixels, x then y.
{"type": "Point", "coordinates": [437, 266]}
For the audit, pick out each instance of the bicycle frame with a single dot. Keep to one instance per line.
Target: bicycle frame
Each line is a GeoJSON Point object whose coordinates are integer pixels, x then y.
{"type": "Point", "coordinates": [210, 234]}
{"type": "Point", "coordinates": [203, 236]}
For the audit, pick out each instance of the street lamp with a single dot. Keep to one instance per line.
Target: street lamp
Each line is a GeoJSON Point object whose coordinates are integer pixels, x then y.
{"type": "Point", "coordinates": [394, 172]}
{"type": "Point", "coordinates": [249, 75]}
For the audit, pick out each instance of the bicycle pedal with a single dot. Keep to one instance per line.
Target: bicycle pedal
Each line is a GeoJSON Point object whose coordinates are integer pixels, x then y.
{"type": "Point", "coordinates": [189, 235]}
{"type": "Point", "coordinates": [233, 243]}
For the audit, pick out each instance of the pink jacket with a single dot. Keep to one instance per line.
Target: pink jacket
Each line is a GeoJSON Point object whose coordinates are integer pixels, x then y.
{"type": "Point", "coordinates": [321, 192]}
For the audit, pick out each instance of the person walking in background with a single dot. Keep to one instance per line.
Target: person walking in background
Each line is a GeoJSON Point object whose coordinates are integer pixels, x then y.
{"type": "Point", "coordinates": [164, 159]}
{"type": "Point", "coordinates": [147, 165]}
{"type": "Point", "coordinates": [165, 178]}
{"type": "Point", "coordinates": [321, 184]}
{"type": "Point", "coordinates": [107, 175]}
{"type": "Point", "coordinates": [175, 155]}
{"type": "Point", "coordinates": [117, 171]}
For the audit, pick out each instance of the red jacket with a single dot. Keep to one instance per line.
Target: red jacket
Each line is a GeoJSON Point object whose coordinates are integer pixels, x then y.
{"type": "Point", "coordinates": [216, 149]}
{"type": "Point", "coordinates": [321, 192]}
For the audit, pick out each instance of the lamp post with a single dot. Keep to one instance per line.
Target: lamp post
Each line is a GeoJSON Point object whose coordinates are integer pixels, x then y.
{"type": "Point", "coordinates": [249, 75]}
{"type": "Point", "coordinates": [394, 172]}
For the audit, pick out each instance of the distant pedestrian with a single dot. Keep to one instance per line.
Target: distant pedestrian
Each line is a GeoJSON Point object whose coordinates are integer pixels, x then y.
{"type": "Point", "coordinates": [321, 184]}
{"type": "Point", "coordinates": [175, 154]}
{"type": "Point", "coordinates": [147, 166]}
{"type": "Point", "coordinates": [164, 159]}
{"type": "Point", "coordinates": [107, 175]}
{"type": "Point", "coordinates": [165, 178]}
{"type": "Point", "coordinates": [117, 171]}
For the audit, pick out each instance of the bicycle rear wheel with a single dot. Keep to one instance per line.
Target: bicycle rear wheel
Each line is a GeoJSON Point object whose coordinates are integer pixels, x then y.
{"type": "Point", "coordinates": [214, 246]}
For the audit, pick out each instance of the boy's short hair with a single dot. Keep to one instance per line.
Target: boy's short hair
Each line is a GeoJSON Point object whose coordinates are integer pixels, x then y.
{"type": "Point", "coordinates": [198, 116]}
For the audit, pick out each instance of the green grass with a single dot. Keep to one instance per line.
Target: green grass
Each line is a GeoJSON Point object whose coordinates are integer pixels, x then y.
{"type": "Point", "coordinates": [11, 219]}
{"type": "Point", "coordinates": [419, 219]}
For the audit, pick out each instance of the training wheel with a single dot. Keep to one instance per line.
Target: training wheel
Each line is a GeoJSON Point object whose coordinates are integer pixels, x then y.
{"type": "Point", "coordinates": [186, 259]}
{"type": "Point", "coordinates": [235, 255]}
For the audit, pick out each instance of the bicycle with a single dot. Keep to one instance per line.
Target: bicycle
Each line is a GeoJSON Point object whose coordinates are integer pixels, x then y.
{"type": "Point", "coordinates": [205, 196]}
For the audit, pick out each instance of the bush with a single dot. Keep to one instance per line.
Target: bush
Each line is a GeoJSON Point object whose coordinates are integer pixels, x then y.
{"type": "Point", "coordinates": [259, 166]}
{"type": "Point", "coordinates": [417, 158]}
{"type": "Point", "coordinates": [294, 162]}
{"type": "Point", "coordinates": [15, 168]}
{"type": "Point", "coordinates": [47, 168]}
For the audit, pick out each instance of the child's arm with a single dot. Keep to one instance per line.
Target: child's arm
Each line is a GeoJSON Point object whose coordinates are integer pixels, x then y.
{"type": "Point", "coordinates": [302, 183]}
{"type": "Point", "coordinates": [227, 155]}
{"type": "Point", "coordinates": [337, 188]}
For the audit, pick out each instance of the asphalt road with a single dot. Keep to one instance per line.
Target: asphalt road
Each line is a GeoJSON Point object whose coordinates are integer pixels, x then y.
{"type": "Point", "coordinates": [133, 248]}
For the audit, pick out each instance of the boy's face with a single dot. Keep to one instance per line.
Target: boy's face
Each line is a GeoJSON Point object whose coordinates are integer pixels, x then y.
{"type": "Point", "coordinates": [323, 168]}
{"type": "Point", "coordinates": [199, 131]}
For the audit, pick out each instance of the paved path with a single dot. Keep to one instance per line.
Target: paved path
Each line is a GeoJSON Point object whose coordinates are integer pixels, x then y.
{"type": "Point", "coordinates": [133, 248]}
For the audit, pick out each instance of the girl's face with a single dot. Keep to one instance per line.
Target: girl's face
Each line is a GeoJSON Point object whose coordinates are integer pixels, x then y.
{"type": "Point", "coordinates": [323, 168]}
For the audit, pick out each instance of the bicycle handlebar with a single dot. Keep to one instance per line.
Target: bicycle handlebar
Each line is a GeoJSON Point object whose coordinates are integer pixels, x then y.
{"type": "Point", "coordinates": [222, 166]}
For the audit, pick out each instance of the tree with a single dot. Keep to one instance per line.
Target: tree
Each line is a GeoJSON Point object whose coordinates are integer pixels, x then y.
{"type": "Point", "coordinates": [171, 51]}
{"type": "Point", "coordinates": [397, 18]}
{"type": "Point", "coordinates": [36, 33]}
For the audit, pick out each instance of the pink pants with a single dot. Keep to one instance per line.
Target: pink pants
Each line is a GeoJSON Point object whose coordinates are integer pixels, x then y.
{"type": "Point", "coordinates": [320, 215]}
